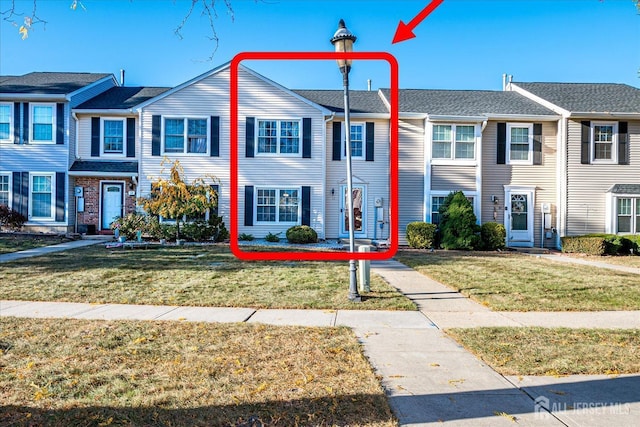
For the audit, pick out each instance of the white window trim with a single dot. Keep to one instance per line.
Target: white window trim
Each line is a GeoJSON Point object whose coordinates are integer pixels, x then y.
{"type": "Point", "coordinates": [185, 136]}
{"type": "Point", "coordinates": [440, 193]}
{"type": "Point", "coordinates": [612, 213]}
{"type": "Point", "coordinates": [124, 136]}
{"type": "Point", "coordinates": [278, 189]}
{"type": "Point", "coordinates": [53, 196]}
{"type": "Point", "coordinates": [54, 121]}
{"type": "Point", "coordinates": [453, 160]}
{"type": "Point", "coordinates": [10, 195]}
{"type": "Point", "coordinates": [278, 121]}
{"type": "Point", "coordinates": [529, 160]}
{"type": "Point", "coordinates": [343, 149]}
{"type": "Point", "coordinates": [614, 143]}
{"type": "Point", "coordinates": [11, 124]}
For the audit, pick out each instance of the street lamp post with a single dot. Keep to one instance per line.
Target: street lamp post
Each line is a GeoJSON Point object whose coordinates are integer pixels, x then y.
{"type": "Point", "coordinates": [343, 41]}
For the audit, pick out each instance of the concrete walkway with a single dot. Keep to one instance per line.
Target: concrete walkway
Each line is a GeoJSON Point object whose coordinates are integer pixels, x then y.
{"type": "Point", "coordinates": [429, 378]}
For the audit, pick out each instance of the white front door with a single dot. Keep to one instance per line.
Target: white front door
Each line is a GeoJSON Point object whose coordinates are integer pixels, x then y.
{"type": "Point", "coordinates": [519, 217]}
{"type": "Point", "coordinates": [111, 203]}
{"type": "Point", "coordinates": [359, 207]}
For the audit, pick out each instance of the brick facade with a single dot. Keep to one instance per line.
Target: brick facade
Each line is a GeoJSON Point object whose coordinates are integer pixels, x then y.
{"type": "Point", "coordinates": [91, 189]}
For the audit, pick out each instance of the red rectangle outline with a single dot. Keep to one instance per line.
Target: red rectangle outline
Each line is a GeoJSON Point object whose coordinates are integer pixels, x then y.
{"type": "Point", "coordinates": [393, 192]}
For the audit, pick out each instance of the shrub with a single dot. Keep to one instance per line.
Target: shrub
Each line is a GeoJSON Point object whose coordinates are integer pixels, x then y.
{"type": "Point", "coordinates": [270, 237]}
{"type": "Point", "coordinates": [615, 244]}
{"type": "Point", "coordinates": [10, 219]}
{"type": "Point", "coordinates": [492, 236]}
{"type": "Point", "coordinates": [421, 235]}
{"type": "Point", "coordinates": [458, 228]}
{"type": "Point", "coordinates": [590, 245]}
{"type": "Point", "coordinates": [302, 234]}
{"type": "Point", "coordinates": [129, 224]}
{"type": "Point", "coordinates": [246, 237]}
{"type": "Point", "coordinates": [635, 243]}
{"type": "Point", "coordinates": [200, 231]}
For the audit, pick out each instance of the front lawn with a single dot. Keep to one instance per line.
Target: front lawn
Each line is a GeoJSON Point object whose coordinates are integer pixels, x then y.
{"type": "Point", "coordinates": [14, 242]}
{"type": "Point", "coordinates": [623, 260]}
{"type": "Point", "coordinates": [74, 372]}
{"type": "Point", "coordinates": [554, 351]}
{"type": "Point", "coordinates": [518, 282]}
{"type": "Point", "coordinates": [188, 275]}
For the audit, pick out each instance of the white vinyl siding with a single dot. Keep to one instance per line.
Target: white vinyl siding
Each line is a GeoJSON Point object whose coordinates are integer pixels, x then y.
{"type": "Point", "coordinates": [6, 122]}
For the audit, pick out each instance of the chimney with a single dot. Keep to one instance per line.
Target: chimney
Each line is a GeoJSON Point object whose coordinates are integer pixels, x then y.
{"type": "Point", "coordinates": [504, 82]}
{"type": "Point", "coordinates": [369, 85]}
{"type": "Point", "coordinates": [122, 77]}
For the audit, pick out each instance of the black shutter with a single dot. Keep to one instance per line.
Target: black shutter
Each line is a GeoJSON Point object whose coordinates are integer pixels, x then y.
{"type": "Point", "coordinates": [537, 143]}
{"type": "Point", "coordinates": [214, 150]}
{"type": "Point", "coordinates": [25, 122]}
{"type": "Point", "coordinates": [306, 205]}
{"type": "Point", "coordinates": [250, 128]}
{"type": "Point", "coordinates": [502, 143]}
{"type": "Point", "coordinates": [95, 136]}
{"type": "Point", "coordinates": [370, 135]}
{"type": "Point", "coordinates": [17, 192]}
{"type": "Point", "coordinates": [16, 123]}
{"type": "Point", "coordinates": [337, 141]}
{"type": "Point", "coordinates": [306, 138]}
{"type": "Point", "coordinates": [131, 137]}
{"type": "Point", "coordinates": [216, 189]}
{"type": "Point", "coordinates": [623, 143]}
{"type": "Point", "coordinates": [156, 122]}
{"type": "Point", "coordinates": [585, 151]}
{"type": "Point", "coordinates": [60, 195]}
{"type": "Point", "coordinates": [248, 205]}
{"type": "Point", "coordinates": [59, 123]}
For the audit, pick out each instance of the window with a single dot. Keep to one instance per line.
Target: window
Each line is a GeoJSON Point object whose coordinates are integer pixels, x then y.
{"type": "Point", "coordinates": [277, 205]}
{"type": "Point", "coordinates": [628, 215]}
{"type": "Point", "coordinates": [113, 131]}
{"type": "Point", "coordinates": [357, 141]}
{"type": "Point", "coordinates": [43, 118]}
{"type": "Point", "coordinates": [453, 142]}
{"type": "Point", "coordinates": [4, 190]}
{"type": "Point", "coordinates": [5, 122]}
{"type": "Point", "coordinates": [520, 143]}
{"type": "Point", "coordinates": [603, 141]}
{"type": "Point", "coordinates": [278, 137]}
{"type": "Point", "coordinates": [191, 130]}
{"type": "Point", "coordinates": [42, 196]}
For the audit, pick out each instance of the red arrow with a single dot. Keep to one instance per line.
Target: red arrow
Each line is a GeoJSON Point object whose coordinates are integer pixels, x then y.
{"type": "Point", "coordinates": [405, 31]}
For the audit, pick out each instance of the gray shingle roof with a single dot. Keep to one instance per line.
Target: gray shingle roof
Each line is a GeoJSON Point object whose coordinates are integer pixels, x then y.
{"type": "Point", "coordinates": [104, 166]}
{"type": "Point", "coordinates": [625, 189]}
{"type": "Point", "coordinates": [466, 102]}
{"type": "Point", "coordinates": [119, 98]}
{"type": "Point", "coordinates": [588, 97]}
{"type": "Point", "coordinates": [360, 101]}
{"type": "Point", "coordinates": [48, 83]}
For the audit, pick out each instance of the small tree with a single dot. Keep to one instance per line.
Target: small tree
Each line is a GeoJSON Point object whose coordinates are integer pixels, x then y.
{"type": "Point", "coordinates": [458, 228]}
{"type": "Point", "coordinates": [176, 199]}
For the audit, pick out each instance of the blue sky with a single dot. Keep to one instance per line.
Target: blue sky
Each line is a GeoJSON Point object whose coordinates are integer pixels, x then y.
{"type": "Point", "coordinates": [464, 44]}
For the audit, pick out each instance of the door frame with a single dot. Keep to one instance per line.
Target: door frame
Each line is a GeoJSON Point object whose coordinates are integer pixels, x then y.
{"type": "Point", "coordinates": [343, 209]}
{"type": "Point", "coordinates": [530, 192]}
{"type": "Point", "coordinates": [121, 184]}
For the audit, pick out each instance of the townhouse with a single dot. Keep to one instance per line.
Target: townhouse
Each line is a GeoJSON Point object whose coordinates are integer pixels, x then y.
{"type": "Point", "coordinates": [544, 159]}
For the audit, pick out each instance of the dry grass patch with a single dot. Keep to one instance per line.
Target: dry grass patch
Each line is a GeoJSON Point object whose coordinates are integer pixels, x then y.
{"type": "Point", "coordinates": [554, 351]}
{"type": "Point", "coordinates": [73, 372]}
{"type": "Point", "coordinates": [623, 260]}
{"type": "Point", "coordinates": [15, 242]}
{"type": "Point", "coordinates": [190, 275]}
{"type": "Point", "coordinates": [517, 282]}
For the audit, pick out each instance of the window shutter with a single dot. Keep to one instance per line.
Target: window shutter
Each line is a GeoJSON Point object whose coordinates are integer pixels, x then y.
{"type": "Point", "coordinates": [25, 122]}
{"type": "Point", "coordinates": [623, 143]}
{"type": "Point", "coordinates": [370, 129]}
{"type": "Point", "coordinates": [16, 123]}
{"type": "Point", "coordinates": [156, 122]}
{"type": "Point", "coordinates": [502, 143]}
{"type": "Point", "coordinates": [59, 123]}
{"type": "Point", "coordinates": [17, 192]}
{"type": "Point", "coordinates": [306, 205]}
{"type": "Point", "coordinates": [60, 195]}
{"type": "Point", "coordinates": [248, 205]}
{"type": "Point", "coordinates": [131, 137]}
{"type": "Point", "coordinates": [95, 136]}
{"type": "Point", "coordinates": [537, 143]}
{"type": "Point", "coordinates": [214, 150]}
{"type": "Point", "coordinates": [337, 141]}
{"type": "Point", "coordinates": [249, 133]}
{"type": "Point", "coordinates": [585, 151]}
{"type": "Point", "coordinates": [306, 138]}
{"type": "Point", "coordinates": [216, 189]}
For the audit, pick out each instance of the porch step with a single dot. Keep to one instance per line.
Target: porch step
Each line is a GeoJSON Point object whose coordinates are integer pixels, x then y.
{"type": "Point", "coordinates": [539, 251]}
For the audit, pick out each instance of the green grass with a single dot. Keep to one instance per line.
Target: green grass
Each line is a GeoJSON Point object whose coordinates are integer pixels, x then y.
{"type": "Point", "coordinates": [188, 275]}
{"type": "Point", "coordinates": [10, 242]}
{"type": "Point", "coordinates": [554, 351]}
{"type": "Point", "coordinates": [73, 372]}
{"type": "Point", "coordinates": [517, 282]}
